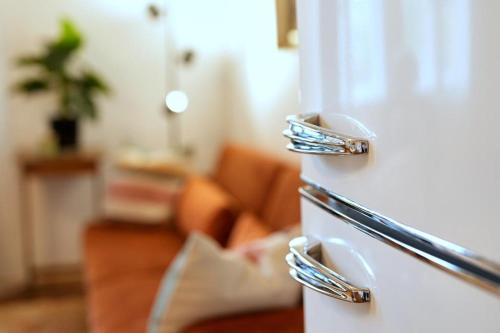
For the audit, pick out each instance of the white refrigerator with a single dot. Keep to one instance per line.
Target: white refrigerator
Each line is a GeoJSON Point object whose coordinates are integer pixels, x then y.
{"type": "Point", "coordinates": [400, 139]}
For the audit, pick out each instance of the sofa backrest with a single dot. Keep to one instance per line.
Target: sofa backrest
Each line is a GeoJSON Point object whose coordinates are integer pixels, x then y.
{"type": "Point", "coordinates": [281, 210]}
{"type": "Point", "coordinates": [248, 175]}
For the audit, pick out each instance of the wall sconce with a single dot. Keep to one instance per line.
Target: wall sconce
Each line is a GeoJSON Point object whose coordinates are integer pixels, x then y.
{"type": "Point", "coordinates": [286, 22]}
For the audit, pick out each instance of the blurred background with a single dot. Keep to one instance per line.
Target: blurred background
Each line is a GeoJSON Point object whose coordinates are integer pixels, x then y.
{"type": "Point", "coordinates": [222, 58]}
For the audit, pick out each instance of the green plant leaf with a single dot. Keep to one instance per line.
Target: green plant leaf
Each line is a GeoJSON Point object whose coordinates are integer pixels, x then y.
{"type": "Point", "coordinates": [29, 60]}
{"type": "Point", "coordinates": [30, 86]}
{"type": "Point", "coordinates": [69, 34]}
{"type": "Point", "coordinates": [92, 82]}
{"type": "Point", "coordinates": [60, 51]}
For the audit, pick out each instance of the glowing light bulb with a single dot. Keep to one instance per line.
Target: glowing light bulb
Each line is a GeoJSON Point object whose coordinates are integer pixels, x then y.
{"type": "Point", "coordinates": [176, 101]}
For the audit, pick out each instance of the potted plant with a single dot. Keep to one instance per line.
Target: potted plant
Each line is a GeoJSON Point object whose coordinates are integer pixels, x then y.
{"type": "Point", "coordinates": [76, 88]}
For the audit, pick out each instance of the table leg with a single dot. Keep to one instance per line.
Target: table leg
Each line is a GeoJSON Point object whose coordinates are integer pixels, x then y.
{"type": "Point", "coordinates": [27, 231]}
{"type": "Point", "coordinates": [97, 193]}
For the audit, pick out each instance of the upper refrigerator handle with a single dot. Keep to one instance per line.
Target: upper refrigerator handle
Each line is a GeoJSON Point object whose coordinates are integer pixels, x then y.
{"type": "Point", "coordinates": [306, 267]}
{"type": "Point", "coordinates": [307, 136]}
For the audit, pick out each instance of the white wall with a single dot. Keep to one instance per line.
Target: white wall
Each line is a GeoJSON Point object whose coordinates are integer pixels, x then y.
{"type": "Point", "coordinates": [240, 87]}
{"type": "Point", "coordinates": [260, 81]}
{"type": "Point", "coordinates": [10, 255]}
{"type": "Point", "coordinates": [263, 80]}
{"type": "Point", "coordinates": [197, 25]}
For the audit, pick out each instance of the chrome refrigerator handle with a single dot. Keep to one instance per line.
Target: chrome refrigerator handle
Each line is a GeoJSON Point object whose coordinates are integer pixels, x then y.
{"type": "Point", "coordinates": [307, 136]}
{"type": "Point", "coordinates": [447, 256]}
{"type": "Point", "coordinates": [305, 264]}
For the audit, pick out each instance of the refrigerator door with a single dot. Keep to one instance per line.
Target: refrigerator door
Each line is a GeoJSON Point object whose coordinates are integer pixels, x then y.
{"type": "Point", "coordinates": [419, 81]}
{"type": "Point", "coordinates": [406, 294]}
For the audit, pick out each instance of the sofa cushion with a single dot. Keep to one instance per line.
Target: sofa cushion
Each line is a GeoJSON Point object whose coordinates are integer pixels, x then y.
{"type": "Point", "coordinates": [282, 321]}
{"type": "Point", "coordinates": [283, 206]}
{"type": "Point", "coordinates": [247, 229]}
{"type": "Point", "coordinates": [124, 303]}
{"type": "Point", "coordinates": [113, 249]}
{"type": "Point", "coordinates": [206, 208]}
{"type": "Point", "coordinates": [247, 175]}
{"type": "Point", "coordinates": [207, 281]}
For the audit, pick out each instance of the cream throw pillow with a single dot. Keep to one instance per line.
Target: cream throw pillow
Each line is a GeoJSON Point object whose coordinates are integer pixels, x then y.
{"type": "Point", "coordinates": [207, 281]}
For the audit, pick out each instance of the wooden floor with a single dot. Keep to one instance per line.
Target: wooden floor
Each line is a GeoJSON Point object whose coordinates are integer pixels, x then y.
{"type": "Point", "coordinates": [43, 314]}
{"type": "Point", "coordinates": [54, 304]}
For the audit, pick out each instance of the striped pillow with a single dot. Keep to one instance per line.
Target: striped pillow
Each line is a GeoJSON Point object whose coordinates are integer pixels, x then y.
{"type": "Point", "coordinates": [141, 200]}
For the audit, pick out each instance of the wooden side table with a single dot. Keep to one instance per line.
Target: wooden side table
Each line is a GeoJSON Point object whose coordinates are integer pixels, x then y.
{"type": "Point", "coordinates": [62, 165]}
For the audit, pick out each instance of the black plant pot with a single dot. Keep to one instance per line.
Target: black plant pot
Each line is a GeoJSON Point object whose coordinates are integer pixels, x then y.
{"type": "Point", "coordinates": [66, 133]}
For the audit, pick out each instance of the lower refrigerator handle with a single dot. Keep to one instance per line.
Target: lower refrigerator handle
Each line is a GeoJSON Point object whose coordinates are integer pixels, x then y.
{"type": "Point", "coordinates": [305, 264]}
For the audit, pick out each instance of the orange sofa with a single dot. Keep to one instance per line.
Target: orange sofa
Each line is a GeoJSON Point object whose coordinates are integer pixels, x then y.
{"type": "Point", "coordinates": [124, 263]}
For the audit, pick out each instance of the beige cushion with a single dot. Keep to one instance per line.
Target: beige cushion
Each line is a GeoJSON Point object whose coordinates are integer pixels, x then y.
{"type": "Point", "coordinates": [207, 281]}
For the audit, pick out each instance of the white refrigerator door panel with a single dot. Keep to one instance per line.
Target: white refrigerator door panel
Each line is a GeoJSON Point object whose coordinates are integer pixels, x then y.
{"type": "Point", "coordinates": [407, 295]}
{"type": "Point", "coordinates": [421, 80]}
